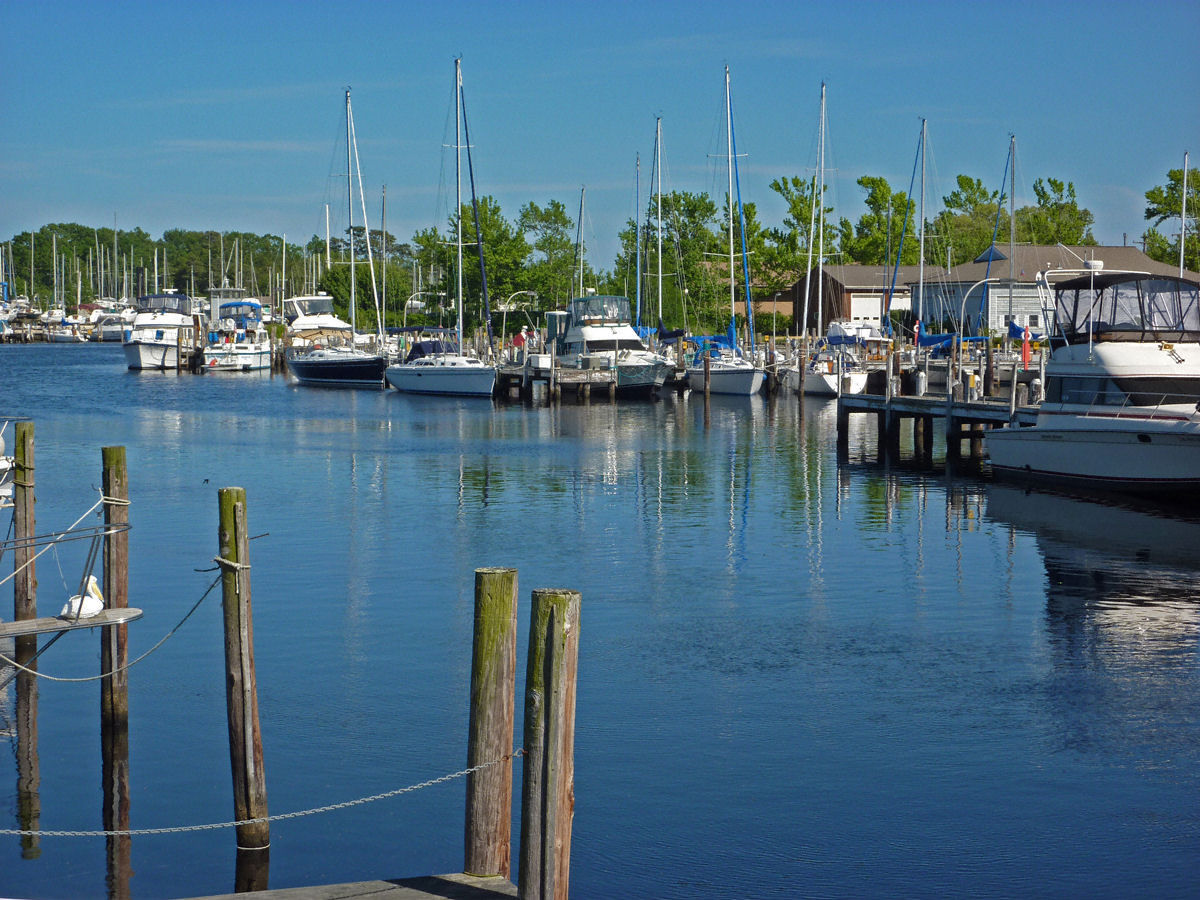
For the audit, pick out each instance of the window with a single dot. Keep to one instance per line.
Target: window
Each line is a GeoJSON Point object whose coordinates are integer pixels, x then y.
{"type": "Point", "coordinates": [1033, 321]}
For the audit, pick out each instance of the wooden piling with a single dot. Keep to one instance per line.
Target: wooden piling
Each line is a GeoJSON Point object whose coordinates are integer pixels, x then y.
{"type": "Point", "coordinates": [707, 371]}
{"type": "Point", "coordinates": [488, 834]}
{"type": "Point", "coordinates": [25, 648]}
{"type": "Point", "coordinates": [245, 737]}
{"type": "Point", "coordinates": [114, 656]}
{"type": "Point", "coordinates": [114, 648]}
{"type": "Point", "coordinates": [25, 579]}
{"type": "Point", "coordinates": [548, 795]}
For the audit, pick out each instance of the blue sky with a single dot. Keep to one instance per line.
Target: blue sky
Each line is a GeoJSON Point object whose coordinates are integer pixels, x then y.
{"type": "Point", "coordinates": [229, 116]}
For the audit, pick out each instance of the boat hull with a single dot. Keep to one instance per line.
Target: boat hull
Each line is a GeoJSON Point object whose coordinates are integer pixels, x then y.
{"type": "Point", "coordinates": [1144, 456]}
{"type": "Point", "coordinates": [742, 381]}
{"type": "Point", "coordinates": [825, 384]}
{"type": "Point", "coordinates": [141, 355]}
{"type": "Point", "coordinates": [236, 358]}
{"type": "Point", "coordinates": [343, 370]}
{"type": "Point", "coordinates": [448, 380]}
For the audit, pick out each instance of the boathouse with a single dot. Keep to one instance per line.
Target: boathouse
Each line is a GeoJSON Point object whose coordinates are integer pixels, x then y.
{"type": "Point", "coordinates": [852, 292]}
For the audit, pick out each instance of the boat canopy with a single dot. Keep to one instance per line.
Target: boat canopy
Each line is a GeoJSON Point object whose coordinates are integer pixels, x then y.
{"type": "Point", "coordinates": [1128, 306]}
{"type": "Point", "coordinates": [421, 349]}
{"type": "Point", "coordinates": [249, 309]}
{"type": "Point", "coordinates": [168, 302]}
{"type": "Point", "coordinates": [308, 306]}
{"type": "Point", "coordinates": [601, 309]}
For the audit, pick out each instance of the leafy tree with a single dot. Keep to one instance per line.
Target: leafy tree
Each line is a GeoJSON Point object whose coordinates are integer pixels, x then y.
{"type": "Point", "coordinates": [1163, 205]}
{"type": "Point", "coordinates": [504, 252]}
{"type": "Point", "coordinates": [1057, 218]}
{"type": "Point", "coordinates": [869, 240]}
{"type": "Point", "coordinates": [549, 269]}
{"type": "Point", "coordinates": [968, 222]}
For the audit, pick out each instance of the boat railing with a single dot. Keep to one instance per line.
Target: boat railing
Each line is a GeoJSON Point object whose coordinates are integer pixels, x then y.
{"type": "Point", "coordinates": [1141, 405]}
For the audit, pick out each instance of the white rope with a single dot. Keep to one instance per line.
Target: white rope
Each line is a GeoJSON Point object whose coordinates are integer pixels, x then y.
{"type": "Point", "coordinates": [12, 662]}
{"type": "Point", "coordinates": [180, 829]}
{"type": "Point", "coordinates": [50, 545]}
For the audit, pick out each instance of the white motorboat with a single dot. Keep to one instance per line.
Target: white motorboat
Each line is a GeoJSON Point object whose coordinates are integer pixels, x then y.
{"type": "Point", "coordinates": [162, 324]}
{"type": "Point", "coordinates": [239, 341]}
{"type": "Point", "coordinates": [596, 332]}
{"type": "Point", "coordinates": [310, 317]}
{"type": "Point", "coordinates": [1122, 393]}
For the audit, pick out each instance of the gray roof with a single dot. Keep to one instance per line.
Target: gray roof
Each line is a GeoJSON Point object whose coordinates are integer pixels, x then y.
{"type": "Point", "coordinates": [1029, 259]}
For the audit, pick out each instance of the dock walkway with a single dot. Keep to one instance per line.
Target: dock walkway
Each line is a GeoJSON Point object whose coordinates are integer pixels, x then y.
{"type": "Point", "coordinates": [428, 887]}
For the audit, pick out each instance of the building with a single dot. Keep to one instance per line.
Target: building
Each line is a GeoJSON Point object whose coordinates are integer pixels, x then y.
{"type": "Point", "coordinates": [962, 293]}
{"type": "Point", "coordinates": [853, 293]}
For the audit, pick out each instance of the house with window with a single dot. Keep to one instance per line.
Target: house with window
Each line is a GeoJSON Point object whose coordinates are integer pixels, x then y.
{"type": "Point", "coordinates": [962, 291]}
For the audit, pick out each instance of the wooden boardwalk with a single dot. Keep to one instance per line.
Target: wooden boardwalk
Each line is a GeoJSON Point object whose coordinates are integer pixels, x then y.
{"type": "Point", "coordinates": [428, 887]}
{"type": "Point", "coordinates": [965, 420]}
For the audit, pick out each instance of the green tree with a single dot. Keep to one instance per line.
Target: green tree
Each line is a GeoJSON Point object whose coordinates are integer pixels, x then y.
{"type": "Point", "coordinates": [504, 252]}
{"type": "Point", "coordinates": [1057, 218]}
{"type": "Point", "coordinates": [549, 268]}
{"type": "Point", "coordinates": [870, 240]}
{"type": "Point", "coordinates": [968, 222]}
{"type": "Point", "coordinates": [785, 257]}
{"type": "Point", "coordinates": [1164, 203]}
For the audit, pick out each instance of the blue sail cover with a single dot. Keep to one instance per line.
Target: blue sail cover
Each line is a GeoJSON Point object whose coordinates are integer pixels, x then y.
{"type": "Point", "coordinates": [1017, 332]}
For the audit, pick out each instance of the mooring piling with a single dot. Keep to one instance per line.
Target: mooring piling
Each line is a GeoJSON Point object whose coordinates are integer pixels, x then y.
{"type": "Point", "coordinates": [25, 647]}
{"type": "Point", "coordinates": [548, 790]}
{"type": "Point", "coordinates": [245, 736]}
{"type": "Point", "coordinates": [114, 657]}
{"type": "Point", "coordinates": [488, 836]}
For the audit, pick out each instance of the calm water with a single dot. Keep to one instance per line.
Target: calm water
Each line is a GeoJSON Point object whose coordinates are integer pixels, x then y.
{"type": "Point", "coordinates": [796, 678]}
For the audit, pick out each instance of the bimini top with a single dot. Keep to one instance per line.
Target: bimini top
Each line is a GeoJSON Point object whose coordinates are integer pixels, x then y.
{"type": "Point", "coordinates": [1126, 306]}
{"type": "Point", "coordinates": [421, 349]}
{"type": "Point", "coordinates": [600, 310]}
{"type": "Point", "coordinates": [238, 309]}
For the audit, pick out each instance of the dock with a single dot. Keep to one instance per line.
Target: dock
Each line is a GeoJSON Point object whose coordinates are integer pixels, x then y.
{"type": "Point", "coordinates": [429, 887]}
{"type": "Point", "coordinates": [519, 379]}
{"type": "Point", "coordinates": [965, 420]}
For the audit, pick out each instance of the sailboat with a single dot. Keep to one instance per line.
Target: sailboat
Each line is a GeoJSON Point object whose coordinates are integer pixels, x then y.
{"type": "Point", "coordinates": [434, 365]}
{"type": "Point", "coordinates": [728, 371]}
{"type": "Point", "coordinates": [339, 362]}
{"type": "Point", "coordinates": [833, 368]}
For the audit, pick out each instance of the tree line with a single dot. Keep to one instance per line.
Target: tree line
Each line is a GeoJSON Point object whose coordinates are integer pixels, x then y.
{"type": "Point", "coordinates": [536, 256]}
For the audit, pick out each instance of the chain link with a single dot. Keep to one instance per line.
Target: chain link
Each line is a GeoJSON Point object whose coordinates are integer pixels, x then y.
{"type": "Point", "coordinates": [213, 826]}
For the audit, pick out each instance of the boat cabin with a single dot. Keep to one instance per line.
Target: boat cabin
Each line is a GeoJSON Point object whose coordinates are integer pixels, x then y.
{"type": "Point", "coordinates": [168, 302]}
{"type": "Point", "coordinates": [1125, 306]}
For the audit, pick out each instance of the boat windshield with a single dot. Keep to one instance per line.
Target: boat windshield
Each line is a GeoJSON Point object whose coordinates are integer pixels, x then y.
{"type": "Point", "coordinates": [245, 309]}
{"type": "Point", "coordinates": [615, 344]}
{"type": "Point", "coordinates": [170, 303]}
{"type": "Point", "coordinates": [1128, 306]}
{"type": "Point", "coordinates": [310, 306]}
{"type": "Point", "coordinates": [594, 310]}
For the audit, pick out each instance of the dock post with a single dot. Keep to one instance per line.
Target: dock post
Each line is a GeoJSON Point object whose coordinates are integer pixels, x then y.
{"type": "Point", "coordinates": [29, 807]}
{"type": "Point", "coordinates": [843, 424]}
{"type": "Point", "coordinates": [488, 833]}
{"type": "Point", "coordinates": [25, 579]}
{"type": "Point", "coordinates": [707, 371]}
{"type": "Point", "coordinates": [114, 656]}
{"type": "Point", "coordinates": [548, 789]}
{"type": "Point", "coordinates": [241, 691]}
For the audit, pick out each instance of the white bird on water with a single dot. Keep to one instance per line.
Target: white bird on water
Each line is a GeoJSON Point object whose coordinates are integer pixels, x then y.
{"type": "Point", "coordinates": [91, 603]}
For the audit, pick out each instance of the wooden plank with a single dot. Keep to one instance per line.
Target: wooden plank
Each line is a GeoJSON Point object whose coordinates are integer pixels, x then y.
{"type": "Point", "coordinates": [52, 624]}
{"type": "Point", "coordinates": [428, 887]}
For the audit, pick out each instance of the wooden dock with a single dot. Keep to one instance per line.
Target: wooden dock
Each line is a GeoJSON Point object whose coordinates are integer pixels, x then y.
{"type": "Point", "coordinates": [518, 380]}
{"type": "Point", "coordinates": [965, 420]}
{"type": "Point", "coordinates": [429, 887]}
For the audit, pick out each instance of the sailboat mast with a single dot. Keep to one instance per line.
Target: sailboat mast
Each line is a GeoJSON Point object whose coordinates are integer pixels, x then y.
{"type": "Point", "coordinates": [582, 194]}
{"type": "Point", "coordinates": [1183, 214]}
{"type": "Point", "coordinates": [921, 251]}
{"type": "Point", "coordinates": [350, 215]}
{"type": "Point", "coordinates": [1012, 224]}
{"type": "Point", "coordinates": [458, 295]}
{"type": "Point", "coordinates": [658, 169]}
{"type": "Point", "coordinates": [637, 234]}
{"type": "Point", "coordinates": [729, 195]}
{"type": "Point", "coordinates": [383, 253]}
{"type": "Point", "coordinates": [821, 218]}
